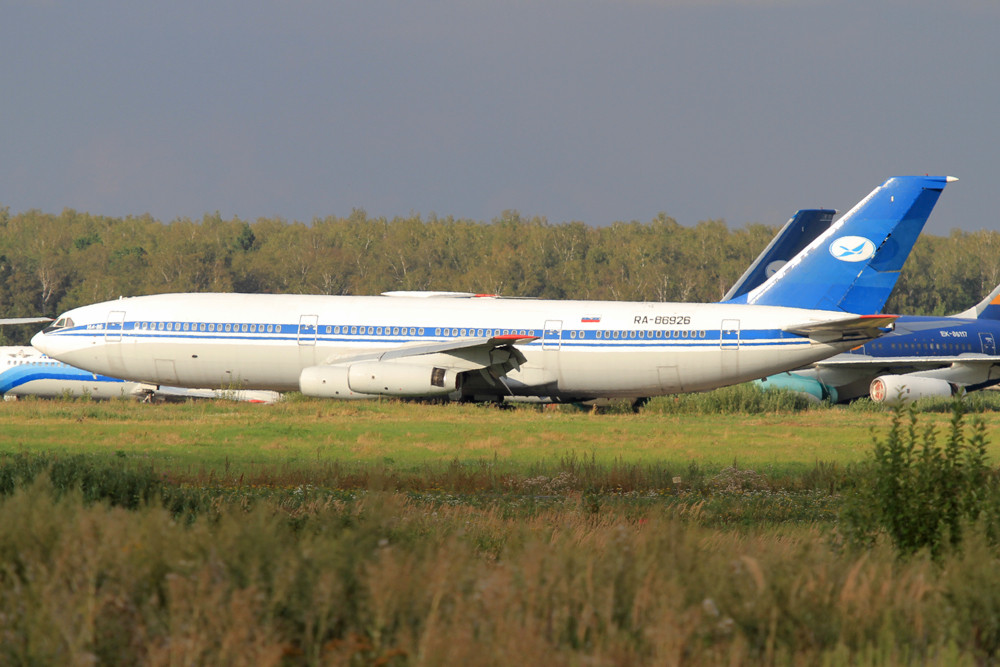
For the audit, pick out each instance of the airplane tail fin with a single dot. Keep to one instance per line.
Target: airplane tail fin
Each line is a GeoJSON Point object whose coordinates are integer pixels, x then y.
{"type": "Point", "coordinates": [854, 265]}
{"type": "Point", "coordinates": [987, 309]}
{"type": "Point", "coordinates": [797, 233]}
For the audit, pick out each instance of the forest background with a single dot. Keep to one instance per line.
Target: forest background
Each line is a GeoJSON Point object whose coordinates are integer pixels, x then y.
{"type": "Point", "coordinates": [50, 263]}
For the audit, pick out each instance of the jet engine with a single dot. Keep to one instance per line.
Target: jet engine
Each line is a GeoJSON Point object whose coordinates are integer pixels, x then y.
{"type": "Point", "coordinates": [372, 378]}
{"type": "Point", "coordinates": [893, 389]}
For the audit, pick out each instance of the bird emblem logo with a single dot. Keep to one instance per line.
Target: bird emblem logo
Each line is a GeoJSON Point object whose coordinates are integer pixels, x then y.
{"type": "Point", "coordinates": [852, 248]}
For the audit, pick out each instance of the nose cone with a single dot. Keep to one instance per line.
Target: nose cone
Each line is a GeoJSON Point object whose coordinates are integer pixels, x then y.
{"type": "Point", "coordinates": [40, 342]}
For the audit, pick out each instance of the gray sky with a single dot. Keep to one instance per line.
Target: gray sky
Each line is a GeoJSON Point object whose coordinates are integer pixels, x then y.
{"type": "Point", "coordinates": [590, 110]}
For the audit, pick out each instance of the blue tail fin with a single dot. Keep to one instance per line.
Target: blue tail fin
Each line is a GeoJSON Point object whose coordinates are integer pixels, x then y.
{"type": "Point", "coordinates": [797, 233]}
{"type": "Point", "coordinates": [987, 309]}
{"type": "Point", "coordinates": [854, 265]}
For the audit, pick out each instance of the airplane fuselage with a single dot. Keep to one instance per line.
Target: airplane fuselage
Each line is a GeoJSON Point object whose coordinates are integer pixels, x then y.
{"type": "Point", "coordinates": [25, 371]}
{"type": "Point", "coordinates": [954, 350]}
{"type": "Point", "coordinates": [581, 350]}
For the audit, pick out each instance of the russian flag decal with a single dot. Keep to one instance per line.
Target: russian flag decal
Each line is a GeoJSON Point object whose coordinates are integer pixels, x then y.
{"type": "Point", "coordinates": [590, 318]}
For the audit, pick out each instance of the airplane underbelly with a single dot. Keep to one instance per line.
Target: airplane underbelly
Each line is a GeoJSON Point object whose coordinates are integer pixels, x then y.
{"type": "Point", "coordinates": [644, 373]}
{"type": "Point", "coordinates": [625, 373]}
{"type": "Point", "coordinates": [216, 365]}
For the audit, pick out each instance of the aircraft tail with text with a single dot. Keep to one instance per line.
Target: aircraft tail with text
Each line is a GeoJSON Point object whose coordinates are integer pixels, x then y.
{"type": "Point", "coordinates": [854, 265]}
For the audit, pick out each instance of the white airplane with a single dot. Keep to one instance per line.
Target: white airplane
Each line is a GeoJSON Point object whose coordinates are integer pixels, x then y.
{"type": "Point", "coordinates": [24, 371]}
{"type": "Point", "coordinates": [488, 348]}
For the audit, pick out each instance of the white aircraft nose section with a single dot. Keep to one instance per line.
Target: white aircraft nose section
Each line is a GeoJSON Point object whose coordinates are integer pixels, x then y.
{"type": "Point", "coordinates": [40, 342]}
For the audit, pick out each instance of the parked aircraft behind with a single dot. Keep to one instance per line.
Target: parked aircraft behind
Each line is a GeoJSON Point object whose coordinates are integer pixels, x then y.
{"type": "Point", "coordinates": [922, 357]}
{"type": "Point", "coordinates": [476, 347]}
{"type": "Point", "coordinates": [24, 371]}
{"type": "Point", "coordinates": [800, 230]}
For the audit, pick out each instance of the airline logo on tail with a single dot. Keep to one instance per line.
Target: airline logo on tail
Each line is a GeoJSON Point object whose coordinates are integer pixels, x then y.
{"type": "Point", "coordinates": [773, 267]}
{"type": "Point", "coordinates": [852, 248]}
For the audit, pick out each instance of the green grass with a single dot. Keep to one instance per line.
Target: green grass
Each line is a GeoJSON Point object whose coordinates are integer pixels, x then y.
{"type": "Point", "coordinates": [242, 438]}
{"type": "Point", "coordinates": [307, 432]}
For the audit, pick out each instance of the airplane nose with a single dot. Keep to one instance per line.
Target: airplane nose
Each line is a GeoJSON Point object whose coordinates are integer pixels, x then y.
{"type": "Point", "coordinates": [40, 342]}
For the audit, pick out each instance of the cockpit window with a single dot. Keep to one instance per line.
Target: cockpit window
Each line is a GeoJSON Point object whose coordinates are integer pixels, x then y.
{"type": "Point", "coordinates": [61, 323]}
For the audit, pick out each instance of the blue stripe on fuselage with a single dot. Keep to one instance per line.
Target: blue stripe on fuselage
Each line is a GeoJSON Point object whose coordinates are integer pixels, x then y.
{"type": "Point", "coordinates": [583, 338]}
{"type": "Point", "coordinates": [21, 374]}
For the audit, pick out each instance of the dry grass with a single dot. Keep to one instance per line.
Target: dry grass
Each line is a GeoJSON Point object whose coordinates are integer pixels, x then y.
{"type": "Point", "coordinates": [478, 545]}
{"type": "Point", "coordinates": [384, 580]}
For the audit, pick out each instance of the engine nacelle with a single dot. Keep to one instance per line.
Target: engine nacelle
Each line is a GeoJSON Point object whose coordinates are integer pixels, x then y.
{"type": "Point", "coordinates": [328, 382]}
{"type": "Point", "coordinates": [894, 389]}
{"type": "Point", "coordinates": [373, 378]}
{"type": "Point", "coordinates": [389, 379]}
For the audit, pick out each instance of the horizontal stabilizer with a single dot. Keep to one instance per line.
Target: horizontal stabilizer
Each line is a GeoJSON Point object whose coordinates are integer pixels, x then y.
{"type": "Point", "coordinates": [860, 326]}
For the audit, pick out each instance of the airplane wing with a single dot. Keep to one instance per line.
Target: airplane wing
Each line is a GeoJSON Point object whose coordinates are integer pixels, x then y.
{"type": "Point", "coordinates": [460, 354]}
{"type": "Point", "coordinates": [859, 326]}
{"type": "Point", "coordinates": [913, 363]}
{"type": "Point", "coordinates": [25, 320]}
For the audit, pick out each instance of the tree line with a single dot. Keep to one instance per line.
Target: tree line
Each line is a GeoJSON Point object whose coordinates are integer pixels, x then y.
{"type": "Point", "coordinates": [50, 263]}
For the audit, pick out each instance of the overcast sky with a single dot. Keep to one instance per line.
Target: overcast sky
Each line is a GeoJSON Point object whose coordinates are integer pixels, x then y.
{"type": "Point", "coordinates": [589, 110]}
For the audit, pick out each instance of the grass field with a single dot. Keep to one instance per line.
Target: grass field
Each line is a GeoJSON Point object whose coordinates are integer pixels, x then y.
{"type": "Point", "coordinates": [316, 532]}
{"type": "Point", "coordinates": [307, 432]}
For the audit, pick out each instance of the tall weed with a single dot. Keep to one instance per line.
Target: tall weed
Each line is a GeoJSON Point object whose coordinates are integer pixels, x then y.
{"type": "Point", "coordinates": [920, 493]}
